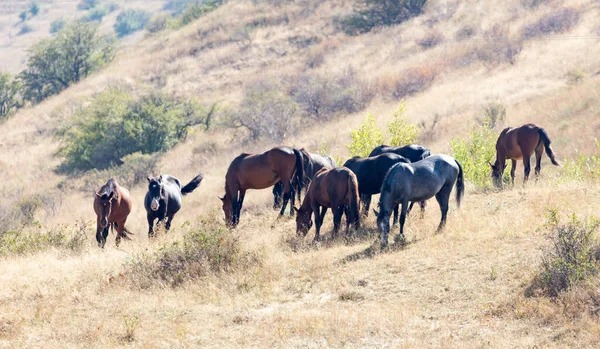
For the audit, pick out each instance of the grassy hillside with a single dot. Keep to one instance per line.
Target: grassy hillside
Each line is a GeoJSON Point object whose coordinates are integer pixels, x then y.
{"type": "Point", "coordinates": [464, 287]}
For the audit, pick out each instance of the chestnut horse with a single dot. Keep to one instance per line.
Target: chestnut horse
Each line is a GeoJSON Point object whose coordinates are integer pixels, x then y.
{"type": "Point", "coordinates": [330, 188]}
{"type": "Point", "coordinates": [112, 205]}
{"type": "Point", "coordinates": [260, 171]}
{"type": "Point", "coordinates": [520, 143]}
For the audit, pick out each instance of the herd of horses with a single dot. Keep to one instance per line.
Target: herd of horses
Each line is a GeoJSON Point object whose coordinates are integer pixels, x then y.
{"type": "Point", "coordinates": [402, 175]}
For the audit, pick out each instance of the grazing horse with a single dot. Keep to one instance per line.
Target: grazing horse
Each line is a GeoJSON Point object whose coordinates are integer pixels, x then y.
{"type": "Point", "coordinates": [164, 198]}
{"type": "Point", "coordinates": [422, 180]}
{"type": "Point", "coordinates": [370, 173]}
{"type": "Point", "coordinates": [260, 171]}
{"type": "Point", "coordinates": [312, 163]}
{"type": "Point", "coordinates": [520, 143]}
{"type": "Point", "coordinates": [414, 153]}
{"type": "Point", "coordinates": [112, 205]}
{"type": "Point", "coordinates": [330, 188]}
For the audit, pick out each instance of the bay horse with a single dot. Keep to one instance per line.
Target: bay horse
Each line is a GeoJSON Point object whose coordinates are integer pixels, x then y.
{"type": "Point", "coordinates": [330, 188]}
{"type": "Point", "coordinates": [370, 173]}
{"type": "Point", "coordinates": [519, 144]}
{"type": "Point", "coordinates": [312, 164]}
{"type": "Point", "coordinates": [164, 198]}
{"type": "Point", "coordinates": [419, 181]}
{"type": "Point", "coordinates": [260, 171]}
{"type": "Point", "coordinates": [112, 204]}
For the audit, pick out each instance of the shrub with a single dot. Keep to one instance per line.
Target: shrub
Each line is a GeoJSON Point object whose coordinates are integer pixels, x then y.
{"type": "Point", "coordinates": [54, 64]}
{"type": "Point", "coordinates": [116, 124]}
{"type": "Point", "coordinates": [133, 170]}
{"type": "Point", "coordinates": [582, 167]}
{"type": "Point", "coordinates": [196, 10]}
{"type": "Point", "coordinates": [96, 14]}
{"type": "Point", "coordinates": [474, 152]}
{"type": "Point", "coordinates": [34, 9]}
{"type": "Point", "coordinates": [57, 25]}
{"type": "Point", "coordinates": [399, 130]}
{"type": "Point", "coordinates": [371, 13]}
{"type": "Point", "coordinates": [266, 113]}
{"type": "Point", "coordinates": [10, 97]}
{"type": "Point", "coordinates": [157, 23]}
{"type": "Point", "coordinates": [499, 48]}
{"type": "Point", "coordinates": [69, 238]}
{"type": "Point", "coordinates": [23, 16]}
{"type": "Point", "coordinates": [206, 249]}
{"type": "Point", "coordinates": [494, 114]}
{"type": "Point", "coordinates": [130, 21]}
{"type": "Point", "coordinates": [464, 32]}
{"type": "Point", "coordinates": [25, 28]}
{"type": "Point", "coordinates": [413, 81]}
{"type": "Point", "coordinates": [556, 22]}
{"type": "Point", "coordinates": [431, 39]}
{"type": "Point", "coordinates": [572, 258]}
{"type": "Point", "coordinates": [87, 4]}
{"type": "Point", "coordinates": [365, 138]}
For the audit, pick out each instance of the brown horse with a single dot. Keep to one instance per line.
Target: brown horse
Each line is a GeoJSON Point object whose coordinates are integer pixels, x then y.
{"type": "Point", "coordinates": [260, 171]}
{"type": "Point", "coordinates": [112, 205]}
{"type": "Point", "coordinates": [330, 188]}
{"type": "Point", "coordinates": [520, 143]}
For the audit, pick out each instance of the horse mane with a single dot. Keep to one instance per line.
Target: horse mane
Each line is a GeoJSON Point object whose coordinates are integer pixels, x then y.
{"type": "Point", "coordinates": [504, 131]}
{"type": "Point", "coordinates": [110, 186]}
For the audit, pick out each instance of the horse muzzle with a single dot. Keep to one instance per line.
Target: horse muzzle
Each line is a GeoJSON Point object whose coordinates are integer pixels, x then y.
{"type": "Point", "coordinates": [104, 222]}
{"type": "Point", "coordinates": [154, 205]}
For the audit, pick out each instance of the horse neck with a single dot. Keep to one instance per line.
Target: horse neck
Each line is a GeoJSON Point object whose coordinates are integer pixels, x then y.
{"type": "Point", "coordinates": [306, 204]}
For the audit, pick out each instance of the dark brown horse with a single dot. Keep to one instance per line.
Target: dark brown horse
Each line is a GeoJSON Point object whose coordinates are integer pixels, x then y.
{"type": "Point", "coordinates": [330, 188]}
{"type": "Point", "coordinates": [260, 171]}
{"type": "Point", "coordinates": [112, 205]}
{"type": "Point", "coordinates": [520, 143]}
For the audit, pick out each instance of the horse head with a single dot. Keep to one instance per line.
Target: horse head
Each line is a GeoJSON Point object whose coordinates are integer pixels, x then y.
{"type": "Point", "coordinates": [303, 221]}
{"type": "Point", "coordinates": [228, 210]}
{"type": "Point", "coordinates": [105, 202]}
{"type": "Point", "coordinates": [157, 191]}
{"type": "Point", "coordinates": [497, 172]}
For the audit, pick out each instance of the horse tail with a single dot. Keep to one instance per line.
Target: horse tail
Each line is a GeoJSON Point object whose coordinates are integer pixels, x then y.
{"type": "Point", "coordinates": [299, 176]}
{"type": "Point", "coordinates": [426, 154]}
{"type": "Point", "coordinates": [193, 184]}
{"type": "Point", "coordinates": [460, 184]}
{"type": "Point", "coordinates": [126, 232]}
{"type": "Point", "coordinates": [544, 138]}
{"type": "Point", "coordinates": [354, 200]}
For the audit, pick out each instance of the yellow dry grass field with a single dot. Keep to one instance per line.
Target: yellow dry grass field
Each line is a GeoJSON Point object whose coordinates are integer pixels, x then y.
{"type": "Point", "coordinates": [460, 288]}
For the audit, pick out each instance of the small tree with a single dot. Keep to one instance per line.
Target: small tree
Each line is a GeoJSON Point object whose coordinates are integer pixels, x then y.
{"type": "Point", "coordinates": [57, 25]}
{"type": "Point", "coordinates": [56, 63]}
{"type": "Point", "coordinates": [400, 131]}
{"type": "Point", "coordinates": [23, 16]}
{"type": "Point", "coordinates": [372, 13]}
{"type": "Point", "coordinates": [87, 4]}
{"type": "Point", "coordinates": [130, 21]}
{"type": "Point", "coordinates": [365, 138]}
{"type": "Point", "coordinates": [9, 94]}
{"type": "Point", "coordinates": [34, 9]}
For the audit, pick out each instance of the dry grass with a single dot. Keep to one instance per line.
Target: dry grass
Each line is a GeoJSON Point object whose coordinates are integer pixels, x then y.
{"type": "Point", "coordinates": [461, 288]}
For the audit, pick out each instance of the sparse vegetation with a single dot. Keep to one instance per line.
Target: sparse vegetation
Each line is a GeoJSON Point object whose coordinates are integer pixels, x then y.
{"type": "Point", "coordinates": [130, 21]}
{"type": "Point", "coordinates": [25, 29]}
{"type": "Point", "coordinates": [57, 25]}
{"type": "Point", "coordinates": [34, 8]}
{"type": "Point", "coordinates": [412, 81]}
{"type": "Point", "coordinates": [87, 4]}
{"type": "Point", "coordinates": [21, 242]}
{"type": "Point", "coordinates": [582, 167]}
{"type": "Point", "coordinates": [499, 47]}
{"type": "Point", "coordinates": [206, 249]}
{"type": "Point", "coordinates": [56, 63]}
{"type": "Point", "coordinates": [556, 22]}
{"type": "Point", "coordinates": [431, 39]}
{"type": "Point", "coordinates": [10, 98]}
{"type": "Point", "coordinates": [400, 131]}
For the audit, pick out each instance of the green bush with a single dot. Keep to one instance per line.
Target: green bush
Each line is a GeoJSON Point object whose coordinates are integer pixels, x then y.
{"type": "Point", "coordinates": [474, 152]}
{"type": "Point", "coordinates": [371, 13]}
{"type": "Point", "coordinates": [582, 167]}
{"type": "Point", "coordinates": [116, 124]}
{"type": "Point", "coordinates": [96, 14]}
{"type": "Point", "coordinates": [69, 238]}
{"type": "Point", "coordinates": [572, 258]}
{"type": "Point", "coordinates": [133, 171]}
{"type": "Point", "coordinates": [23, 16]}
{"type": "Point", "coordinates": [194, 11]}
{"type": "Point", "coordinates": [87, 4]}
{"type": "Point", "coordinates": [365, 138]}
{"type": "Point", "coordinates": [208, 248]}
{"type": "Point", "coordinates": [130, 21]}
{"type": "Point", "coordinates": [10, 97]}
{"type": "Point", "coordinates": [57, 25]}
{"type": "Point", "coordinates": [368, 136]}
{"type": "Point", "coordinates": [34, 9]}
{"type": "Point", "coordinates": [25, 28]}
{"type": "Point", "coordinates": [157, 23]}
{"type": "Point", "coordinates": [400, 131]}
{"type": "Point", "coordinates": [54, 64]}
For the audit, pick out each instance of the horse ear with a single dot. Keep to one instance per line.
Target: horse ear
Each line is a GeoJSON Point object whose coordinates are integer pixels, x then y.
{"type": "Point", "coordinates": [376, 213]}
{"type": "Point", "coordinates": [492, 166]}
{"type": "Point", "coordinates": [160, 178]}
{"type": "Point", "coordinates": [98, 195]}
{"type": "Point", "coordinates": [110, 196]}
{"type": "Point", "coordinates": [221, 198]}
{"type": "Point", "coordinates": [149, 178]}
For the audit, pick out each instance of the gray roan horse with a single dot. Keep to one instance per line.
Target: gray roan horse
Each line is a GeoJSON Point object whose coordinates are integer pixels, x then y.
{"type": "Point", "coordinates": [419, 181]}
{"type": "Point", "coordinates": [163, 199]}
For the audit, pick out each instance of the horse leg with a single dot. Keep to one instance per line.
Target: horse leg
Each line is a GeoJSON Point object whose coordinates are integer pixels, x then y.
{"type": "Point", "coordinates": [292, 201]}
{"type": "Point", "coordinates": [338, 211]}
{"type": "Point", "coordinates": [513, 168]}
{"type": "Point", "coordinates": [538, 160]}
{"type": "Point", "coordinates": [287, 189]}
{"type": "Point", "coordinates": [348, 219]}
{"type": "Point", "coordinates": [105, 234]}
{"type": "Point", "coordinates": [402, 219]}
{"type": "Point", "coordinates": [240, 203]}
{"type": "Point", "coordinates": [442, 197]}
{"type": "Point", "coordinates": [318, 220]}
{"type": "Point", "coordinates": [527, 165]}
{"type": "Point", "coordinates": [422, 204]}
{"type": "Point", "coordinates": [366, 199]}
{"type": "Point", "coordinates": [395, 221]}
{"type": "Point", "coordinates": [277, 195]}
{"type": "Point", "coordinates": [150, 225]}
{"type": "Point", "coordinates": [168, 222]}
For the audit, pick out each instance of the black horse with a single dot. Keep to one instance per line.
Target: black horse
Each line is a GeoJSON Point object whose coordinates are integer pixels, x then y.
{"type": "Point", "coordinates": [164, 198]}
{"type": "Point", "coordinates": [422, 180]}
{"type": "Point", "coordinates": [313, 163]}
{"type": "Point", "coordinates": [370, 173]}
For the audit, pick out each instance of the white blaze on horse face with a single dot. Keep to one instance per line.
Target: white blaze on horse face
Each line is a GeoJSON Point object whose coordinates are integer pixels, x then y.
{"type": "Point", "coordinates": [154, 204]}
